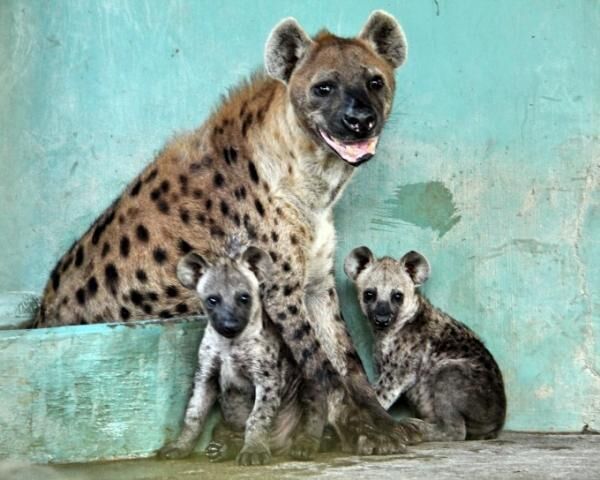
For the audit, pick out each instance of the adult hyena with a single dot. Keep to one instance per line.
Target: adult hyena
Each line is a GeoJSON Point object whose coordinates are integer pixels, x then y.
{"type": "Point", "coordinates": [267, 166]}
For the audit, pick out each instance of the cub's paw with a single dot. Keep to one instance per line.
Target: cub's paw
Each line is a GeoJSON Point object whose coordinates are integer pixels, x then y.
{"type": "Point", "coordinates": [371, 440]}
{"type": "Point", "coordinates": [304, 447]}
{"type": "Point", "coordinates": [254, 455]}
{"type": "Point", "coordinates": [174, 450]}
{"type": "Point", "coordinates": [218, 452]}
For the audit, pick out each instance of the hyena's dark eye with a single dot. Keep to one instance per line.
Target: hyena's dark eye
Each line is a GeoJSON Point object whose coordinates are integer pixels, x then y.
{"type": "Point", "coordinates": [213, 301]}
{"type": "Point", "coordinates": [397, 297]}
{"type": "Point", "coordinates": [376, 83]}
{"type": "Point", "coordinates": [323, 89]}
{"type": "Point", "coordinates": [243, 298]}
{"type": "Point", "coordinates": [369, 295]}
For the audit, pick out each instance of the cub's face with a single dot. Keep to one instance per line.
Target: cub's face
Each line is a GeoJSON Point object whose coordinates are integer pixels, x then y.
{"type": "Point", "coordinates": [386, 287]}
{"type": "Point", "coordinates": [229, 288]}
{"type": "Point", "coordinates": [229, 296]}
{"type": "Point", "coordinates": [341, 89]}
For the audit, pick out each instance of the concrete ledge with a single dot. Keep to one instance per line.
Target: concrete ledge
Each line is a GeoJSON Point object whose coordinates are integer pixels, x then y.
{"type": "Point", "coordinates": [83, 393]}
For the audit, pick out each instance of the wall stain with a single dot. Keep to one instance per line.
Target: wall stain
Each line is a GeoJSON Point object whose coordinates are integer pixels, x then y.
{"type": "Point", "coordinates": [425, 204]}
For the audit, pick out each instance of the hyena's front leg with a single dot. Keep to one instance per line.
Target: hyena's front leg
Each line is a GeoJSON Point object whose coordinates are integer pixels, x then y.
{"type": "Point", "coordinates": [203, 397]}
{"type": "Point", "coordinates": [256, 449]}
{"type": "Point", "coordinates": [360, 421]}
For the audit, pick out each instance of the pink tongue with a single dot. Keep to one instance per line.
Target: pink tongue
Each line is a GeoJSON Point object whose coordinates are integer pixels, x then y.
{"type": "Point", "coordinates": [352, 152]}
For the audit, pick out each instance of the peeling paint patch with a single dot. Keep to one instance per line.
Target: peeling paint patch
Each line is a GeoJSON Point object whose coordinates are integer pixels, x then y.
{"type": "Point", "coordinates": [425, 204]}
{"type": "Point", "coordinates": [544, 391]}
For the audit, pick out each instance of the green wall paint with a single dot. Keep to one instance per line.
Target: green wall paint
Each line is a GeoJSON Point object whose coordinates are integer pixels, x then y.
{"type": "Point", "coordinates": [489, 164]}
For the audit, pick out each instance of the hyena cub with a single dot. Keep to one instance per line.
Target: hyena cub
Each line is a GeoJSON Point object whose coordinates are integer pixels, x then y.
{"type": "Point", "coordinates": [444, 371]}
{"type": "Point", "coordinates": [243, 363]}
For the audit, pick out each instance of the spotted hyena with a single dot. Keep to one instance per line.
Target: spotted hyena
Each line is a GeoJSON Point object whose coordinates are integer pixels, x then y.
{"type": "Point", "coordinates": [438, 364]}
{"type": "Point", "coordinates": [242, 362]}
{"type": "Point", "coordinates": [267, 166]}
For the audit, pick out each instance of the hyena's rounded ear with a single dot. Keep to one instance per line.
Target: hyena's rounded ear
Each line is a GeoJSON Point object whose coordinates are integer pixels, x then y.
{"type": "Point", "coordinates": [258, 261]}
{"type": "Point", "coordinates": [190, 268]}
{"type": "Point", "coordinates": [386, 36]}
{"type": "Point", "coordinates": [417, 267]}
{"type": "Point", "coordinates": [356, 261]}
{"type": "Point", "coordinates": [285, 46]}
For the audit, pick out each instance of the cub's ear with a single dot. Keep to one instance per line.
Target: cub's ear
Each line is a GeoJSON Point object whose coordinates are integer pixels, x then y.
{"type": "Point", "coordinates": [259, 262]}
{"type": "Point", "coordinates": [190, 268]}
{"type": "Point", "coordinates": [386, 36]}
{"type": "Point", "coordinates": [285, 46]}
{"type": "Point", "coordinates": [356, 261]}
{"type": "Point", "coordinates": [417, 267]}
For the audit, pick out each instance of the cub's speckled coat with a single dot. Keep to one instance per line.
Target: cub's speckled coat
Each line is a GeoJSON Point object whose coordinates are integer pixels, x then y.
{"type": "Point", "coordinates": [268, 165]}
{"type": "Point", "coordinates": [242, 362]}
{"type": "Point", "coordinates": [438, 364]}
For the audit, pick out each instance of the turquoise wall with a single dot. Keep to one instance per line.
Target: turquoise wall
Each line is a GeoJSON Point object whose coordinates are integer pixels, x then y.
{"type": "Point", "coordinates": [489, 165]}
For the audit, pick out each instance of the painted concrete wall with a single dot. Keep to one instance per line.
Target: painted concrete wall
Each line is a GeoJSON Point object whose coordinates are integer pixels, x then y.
{"type": "Point", "coordinates": [489, 165]}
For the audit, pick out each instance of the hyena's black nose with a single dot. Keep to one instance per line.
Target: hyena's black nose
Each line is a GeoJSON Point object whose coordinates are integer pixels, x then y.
{"type": "Point", "coordinates": [359, 121]}
{"type": "Point", "coordinates": [382, 314]}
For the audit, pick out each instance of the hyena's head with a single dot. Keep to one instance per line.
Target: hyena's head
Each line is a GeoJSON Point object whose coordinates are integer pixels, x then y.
{"type": "Point", "coordinates": [386, 286]}
{"type": "Point", "coordinates": [228, 288]}
{"type": "Point", "coordinates": [341, 88]}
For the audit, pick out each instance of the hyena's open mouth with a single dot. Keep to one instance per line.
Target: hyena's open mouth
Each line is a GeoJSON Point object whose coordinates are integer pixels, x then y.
{"type": "Point", "coordinates": [354, 153]}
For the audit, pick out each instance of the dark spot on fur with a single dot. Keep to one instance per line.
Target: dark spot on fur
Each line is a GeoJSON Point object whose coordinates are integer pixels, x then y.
{"type": "Point", "coordinates": [230, 155]}
{"type": "Point", "coordinates": [184, 214]}
{"type": "Point", "coordinates": [151, 176]}
{"type": "Point", "coordinates": [216, 231]}
{"type": "Point", "coordinates": [183, 183]}
{"type": "Point", "coordinates": [165, 314]}
{"type": "Point", "coordinates": [142, 234]}
{"type": "Point", "coordinates": [264, 238]}
{"type": "Point", "coordinates": [253, 172]}
{"type": "Point", "coordinates": [219, 180]}
{"type": "Point", "coordinates": [224, 208]}
{"type": "Point", "coordinates": [181, 308]}
{"type": "Point", "coordinates": [67, 264]}
{"type": "Point", "coordinates": [281, 316]}
{"type": "Point", "coordinates": [111, 276]}
{"type": "Point", "coordinates": [152, 296]}
{"type": "Point", "coordinates": [125, 314]}
{"type": "Point", "coordinates": [201, 218]}
{"type": "Point", "coordinates": [163, 206]}
{"type": "Point", "coordinates": [141, 275]}
{"type": "Point", "coordinates": [246, 123]}
{"type": "Point", "coordinates": [55, 279]}
{"type": "Point", "coordinates": [274, 237]}
{"type": "Point", "coordinates": [236, 219]}
{"type": "Point", "coordinates": [208, 204]}
{"type": "Point", "coordinates": [79, 256]}
{"type": "Point", "coordinates": [160, 255]}
{"type": "Point", "coordinates": [273, 256]}
{"type": "Point", "coordinates": [105, 249]}
{"type": "Point", "coordinates": [136, 188]}
{"type": "Point", "coordinates": [172, 291]}
{"type": "Point", "coordinates": [293, 309]}
{"type": "Point", "coordinates": [184, 247]}
{"type": "Point", "coordinates": [124, 246]}
{"type": "Point", "coordinates": [155, 194]}
{"type": "Point", "coordinates": [165, 186]}
{"type": "Point", "coordinates": [80, 295]}
{"type": "Point", "coordinates": [136, 297]}
{"type": "Point", "coordinates": [294, 239]}
{"type": "Point", "coordinates": [259, 207]}
{"type": "Point", "coordinates": [288, 290]}
{"type": "Point", "coordinates": [92, 286]}
{"type": "Point", "coordinates": [286, 267]}
{"type": "Point", "coordinates": [147, 308]}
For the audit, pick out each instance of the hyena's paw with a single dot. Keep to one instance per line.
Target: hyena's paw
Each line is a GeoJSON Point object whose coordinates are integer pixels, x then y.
{"type": "Point", "coordinates": [304, 447]}
{"type": "Point", "coordinates": [376, 440]}
{"type": "Point", "coordinates": [219, 452]}
{"type": "Point", "coordinates": [254, 455]}
{"type": "Point", "coordinates": [174, 450]}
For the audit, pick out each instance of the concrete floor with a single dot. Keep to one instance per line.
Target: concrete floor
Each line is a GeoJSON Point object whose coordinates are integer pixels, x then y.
{"type": "Point", "coordinates": [512, 456]}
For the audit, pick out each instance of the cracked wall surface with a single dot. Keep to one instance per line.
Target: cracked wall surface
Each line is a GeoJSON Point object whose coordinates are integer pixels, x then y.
{"type": "Point", "coordinates": [490, 164]}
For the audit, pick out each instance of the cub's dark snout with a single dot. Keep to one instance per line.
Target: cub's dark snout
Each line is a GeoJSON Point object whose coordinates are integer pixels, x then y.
{"type": "Point", "coordinates": [227, 324]}
{"type": "Point", "coordinates": [381, 314]}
